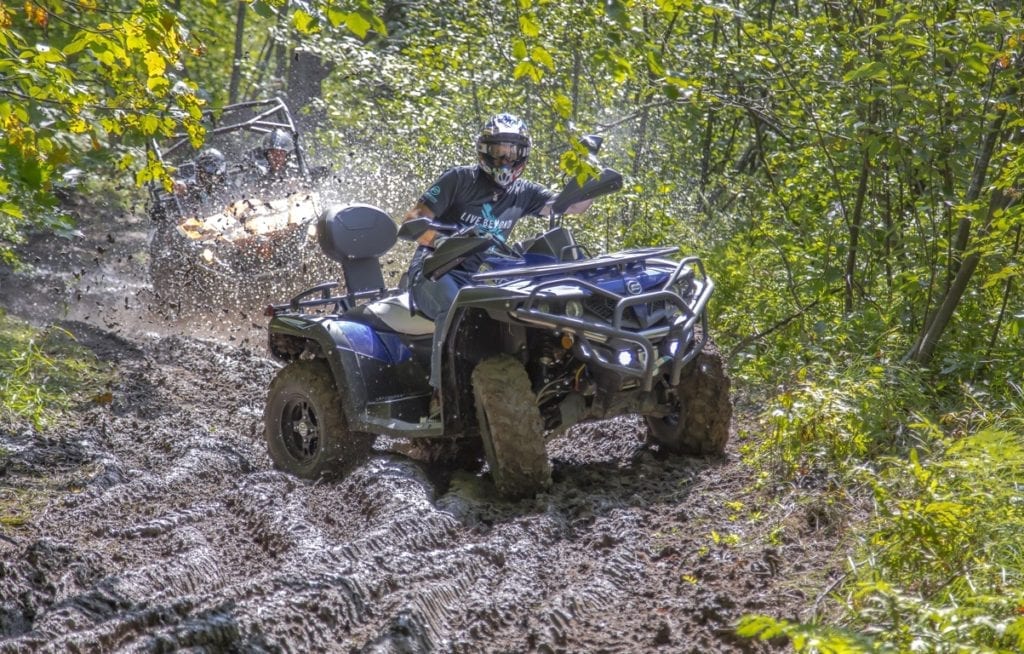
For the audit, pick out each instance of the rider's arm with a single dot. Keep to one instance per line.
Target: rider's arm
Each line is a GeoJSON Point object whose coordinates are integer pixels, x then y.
{"type": "Point", "coordinates": [422, 211]}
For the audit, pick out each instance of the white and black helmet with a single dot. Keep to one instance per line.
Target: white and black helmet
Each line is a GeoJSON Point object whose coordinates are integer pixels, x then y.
{"type": "Point", "coordinates": [278, 139]}
{"type": "Point", "coordinates": [503, 147]}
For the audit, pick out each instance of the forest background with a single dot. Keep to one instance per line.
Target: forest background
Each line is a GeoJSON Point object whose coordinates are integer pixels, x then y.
{"type": "Point", "coordinates": [850, 172]}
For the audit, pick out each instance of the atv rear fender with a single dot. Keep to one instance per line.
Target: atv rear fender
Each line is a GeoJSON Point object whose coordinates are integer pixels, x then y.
{"type": "Point", "coordinates": [386, 387]}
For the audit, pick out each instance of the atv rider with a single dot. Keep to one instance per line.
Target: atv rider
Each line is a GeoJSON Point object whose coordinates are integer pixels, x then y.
{"type": "Point", "coordinates": [490, 196]}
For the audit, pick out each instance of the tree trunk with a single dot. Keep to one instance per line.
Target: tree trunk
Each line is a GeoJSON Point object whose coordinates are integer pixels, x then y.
{"type": "Point", "coordinates": [305, 77]}
{"type": "Point", "coordinates": [236, 66]}
{"type": "Point", "coordinates": [925, 347]}
{"type": "Point", "coordinates": [854, 231]}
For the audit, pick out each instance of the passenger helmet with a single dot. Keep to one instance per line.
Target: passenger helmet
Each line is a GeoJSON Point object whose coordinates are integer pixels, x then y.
{"type": "Point", "coordinates": [210, 161]}
{"type": "Point", "coordinates": [278, 139]}
{"type": "Point", "coordinates": [503, 148]}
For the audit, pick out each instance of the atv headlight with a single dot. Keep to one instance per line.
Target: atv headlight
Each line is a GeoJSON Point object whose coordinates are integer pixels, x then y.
{"type": "Point", "coordinates": [574, 309]}
{"type": "Point", "coordinates": [625, 358]}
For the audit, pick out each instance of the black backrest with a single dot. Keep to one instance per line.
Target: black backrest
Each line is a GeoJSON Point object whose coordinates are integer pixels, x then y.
{"type": "Point", "coordinates": [355, 236]}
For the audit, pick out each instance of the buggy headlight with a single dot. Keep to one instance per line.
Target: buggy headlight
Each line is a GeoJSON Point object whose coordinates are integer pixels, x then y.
{"type": "Point", "coordinates": [625, 357]}
{"type": "Point", "coordinates": [574, 309]}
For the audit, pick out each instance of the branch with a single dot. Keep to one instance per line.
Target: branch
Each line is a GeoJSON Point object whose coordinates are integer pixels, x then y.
{"type": "Point", "coordinates": [774, 328]}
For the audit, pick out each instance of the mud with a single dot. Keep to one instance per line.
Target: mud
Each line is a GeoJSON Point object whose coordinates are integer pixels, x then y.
{"type": "Point", "coordinates": [158, 524]}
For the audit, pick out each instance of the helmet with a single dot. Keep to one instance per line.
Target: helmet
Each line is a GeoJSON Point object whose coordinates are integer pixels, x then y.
{"type": "Point", "coordinates": [503, 148]}
{"type": "Point", "coordinates": [278, 139]}
{"type": "Point", "coordinates": [210, 161]}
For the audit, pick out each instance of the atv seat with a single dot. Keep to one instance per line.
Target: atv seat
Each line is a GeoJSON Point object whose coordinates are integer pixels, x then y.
{"type": "Point", "coordinates": [356, 236]}
{"type": "Point", "coordinates": [392, 314]}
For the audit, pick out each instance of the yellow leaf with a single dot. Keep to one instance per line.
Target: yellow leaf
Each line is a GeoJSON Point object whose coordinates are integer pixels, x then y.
{"type": "Point", "coordinates": [155, 64]}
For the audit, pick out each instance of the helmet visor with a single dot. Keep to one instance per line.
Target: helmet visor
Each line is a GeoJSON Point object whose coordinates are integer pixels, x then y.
{"type": "Point", "coordinates": [497, 155]}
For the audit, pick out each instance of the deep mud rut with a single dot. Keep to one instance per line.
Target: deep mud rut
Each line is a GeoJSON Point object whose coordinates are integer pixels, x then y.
{"type": "Point", "coordinates": [158, 523]}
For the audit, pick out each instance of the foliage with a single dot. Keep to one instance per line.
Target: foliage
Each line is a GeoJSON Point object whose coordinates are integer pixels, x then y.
{"type": "Point", "coordinates": [81, 83]}
{"type": "Point", "coordinates": [942, 569]}
{"type": "Point", "coordinates": [45, 372]}
{"type": "Point", "coordinates": [831, 420]}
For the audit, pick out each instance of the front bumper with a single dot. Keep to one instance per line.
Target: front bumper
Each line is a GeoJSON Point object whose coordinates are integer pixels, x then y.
{"type": "Point", "coordinates": [666, 348]}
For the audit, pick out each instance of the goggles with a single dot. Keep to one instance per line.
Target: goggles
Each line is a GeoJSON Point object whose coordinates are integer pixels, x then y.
{"type": "Point", "coordinates": [498, 155]}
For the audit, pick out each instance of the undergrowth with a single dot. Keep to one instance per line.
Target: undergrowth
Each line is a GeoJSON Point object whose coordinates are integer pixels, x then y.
{"type": "Point", "coordinates": [44, 372]}
{"type": "Point", "coordinates": [940, 566]}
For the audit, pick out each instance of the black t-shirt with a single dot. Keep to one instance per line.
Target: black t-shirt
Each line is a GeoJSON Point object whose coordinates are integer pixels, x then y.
{"type": "Point", "coordinates": [465, 195]}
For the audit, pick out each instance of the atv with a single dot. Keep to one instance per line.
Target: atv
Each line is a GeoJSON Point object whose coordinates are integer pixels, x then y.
{"type": "Point", "coordinates": [241, 245]}
{"type": "Point", "coordinates": [546, 337]}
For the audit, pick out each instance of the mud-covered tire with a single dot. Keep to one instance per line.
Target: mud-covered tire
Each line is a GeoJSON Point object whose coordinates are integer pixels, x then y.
{"type": "Point", "coordinates": [305, 427]}
{"type": "Point", "coordinates": [703, 409]}
{"type": "Point", "coordinates": [511, 428]}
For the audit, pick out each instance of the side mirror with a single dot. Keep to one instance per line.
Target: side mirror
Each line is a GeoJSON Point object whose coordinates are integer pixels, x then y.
{"type": "Point", "coordinates": [592, 142]}
{"type": "Point", "coordinates": [411, 230]}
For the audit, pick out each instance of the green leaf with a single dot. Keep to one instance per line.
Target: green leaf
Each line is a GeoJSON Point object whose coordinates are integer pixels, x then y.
{"type": "Point", "coordinates": [12, 209]}
{"type": "Point", "coordinates": [304, 23]}
{"type": "Point", "coordinates": [357, 24]}
{"type": "Point", "coordinates": [616, 10]}
{"type": "Point", "coordinates": [654, 63]}
{"type": "Point", "coordinates": [563, 106]}
{"type": "Point", "coordinates": [524, 68]}
{"type": "Point", "coordinates": [542, 57]}
{"type": "Point", "coordinates": [870, 70]}
{"type": "Point", "coordinates": [528, 26]}
{"type": "Point", "coordinates": [335, 16]}
{"type": "Point", "coordinates": [519, 49]}
{"type": "Point", "coordinates": [79, 43]}
{"type": "Point", "coordinates": [976, 64]}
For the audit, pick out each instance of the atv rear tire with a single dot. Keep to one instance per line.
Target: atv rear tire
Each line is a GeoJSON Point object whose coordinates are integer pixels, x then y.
{"type": "Point", "coordinates": [304, 424]}
{"type": "Point", "coordinates": [703, 410]}
{"type": "Point", "coordinates": [511, 428]}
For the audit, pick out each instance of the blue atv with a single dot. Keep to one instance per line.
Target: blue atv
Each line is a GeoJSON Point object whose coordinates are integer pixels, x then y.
{"type": "Point", "coordinates": [548, 336]}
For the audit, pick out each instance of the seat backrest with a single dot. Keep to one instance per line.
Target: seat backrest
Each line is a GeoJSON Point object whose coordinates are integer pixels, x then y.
{"type": "Point", "coordinates": [355, 236]}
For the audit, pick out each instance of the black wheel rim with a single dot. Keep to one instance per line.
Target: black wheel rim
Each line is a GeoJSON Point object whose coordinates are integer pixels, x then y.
{"type": "Point", "coordinates": [300, 429]}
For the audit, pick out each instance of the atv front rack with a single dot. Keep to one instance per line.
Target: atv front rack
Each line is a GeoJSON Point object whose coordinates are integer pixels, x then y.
{"type": "Point", "coordinates": [656, 344]}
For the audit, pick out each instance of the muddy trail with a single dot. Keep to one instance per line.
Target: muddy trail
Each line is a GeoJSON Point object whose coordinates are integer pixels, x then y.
{"type": "Point", "coordinates": [157, 522]}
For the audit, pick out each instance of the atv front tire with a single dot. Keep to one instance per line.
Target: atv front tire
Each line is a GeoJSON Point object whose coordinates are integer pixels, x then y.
{"type": "Point", "coordinates": [511, 428]}
{"type": "Point", "coordinates": [702, 409]}
{"type": "Point", "coordinates": [304, 424]}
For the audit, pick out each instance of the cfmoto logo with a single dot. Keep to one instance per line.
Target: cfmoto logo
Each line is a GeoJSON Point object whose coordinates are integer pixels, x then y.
{"type": "Point", "coordinates": [633, 287]}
